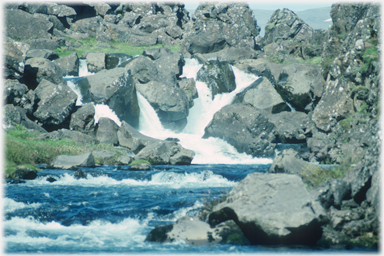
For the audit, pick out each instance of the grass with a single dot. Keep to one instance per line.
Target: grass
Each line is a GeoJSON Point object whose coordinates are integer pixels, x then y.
{"type": "Point", "coordinates": [91, 45]}
{"type": "Point", "coordinates": [139, 161]}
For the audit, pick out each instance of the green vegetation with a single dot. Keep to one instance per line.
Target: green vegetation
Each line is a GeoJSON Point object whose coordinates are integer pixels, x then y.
{"type": "Point", "coordinates": [139, 161]}
{"type": "Point", "coordinates": [24, 149]}
{"type": "Point", "coordinates": [91, 45]}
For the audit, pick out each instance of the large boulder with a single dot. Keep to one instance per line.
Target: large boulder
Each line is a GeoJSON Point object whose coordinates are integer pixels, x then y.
{"type": "Point", "coordinates": [106, 131]}
{"type": "Point", "coordinates": [22, 25]}
{"type": "Point", "coordinates": [37, 69]}
{"type": "Point", "coordinates": [271, 209]}
{"type": "Point", "coordinates": [96, 61]}
{"type": "Point", "coordinates": [335, 105]}
{"type": "Point", "coordinates": [56, 104]}
{"type": "Point", "coordinates": [218, 75]}
{"type": "Point", "coordinates": [15, 115]}
{"type": "Point", "coordinates": [15, 54]}
{"type": "Point", "coordinates": [42, 53]}
{"type": "Point", "coordinates": [245, 128]}
{"type": "Point", "coordinates": [116, 89]}
{"type": "Point", "coordinates": [166, 152]}
{"type": "Point", "coordinates": [83, 119]}
{"type": "Point", "coordinates": [18, 94]}
{"type": "Point", "coordinates": [88, 25]}
{"type": "Point", "coordinates": [72, 162]}
{"type": "Point", "coordinates": [63, 134]}
{"type": "Point", "coordinates": [263, 96]}
{"type": "Point", "coordinates": [69, 64]}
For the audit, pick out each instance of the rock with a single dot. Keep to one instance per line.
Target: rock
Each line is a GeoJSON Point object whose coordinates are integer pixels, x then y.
{"type": "Point", "coordinates": [56, 104]}
{"type": "Point", "coordinates": [23, 172]}
{"type": "Point", "coordinates": [290, 162]}
{"type": "Point", "coordinates": [334, 192]}
{"type": "Point", "coordinates": [101, 9]}
{"type": "Point", "coordinates": [245, 128]}
{"type": "Point", "coordinates": [96, 61]}
{"type": "Point", "coordinates": [169, 101]}
{"type": "Point", "coordinates": [232, 54]}
{"type": "Point", "coordinates": [273, 209]}
{"type": "Point", "coordinates": [69, 64]}
{"type": "Point", "coordinates": [262, 95]}
{"type": "Point", "coordinates": [218, 75]}
{"type": "Point", "coordinates": [143, 69]}
{"type": "Point", "coordinates": [106, 131]}
{"type": "Point", "coordinates": [87, 25]}
{"type": "Point", "coordinates": [37, 69]}
{"type": "Point", "coordinates": [285, 24]}
{"type": "Point", "coordinates": [189, 87]}
{"type": "Point", "coordinates": [13, 91]}
{"type": "Point", "coordinates": [301, 85]}
{"type": "Point", "coordinates": [16, 115]}
{"type": "Point", "coordinates": [167, 62]}
{"type": "Point", "coordinates": [60, 10]}
{"type": "Point", "coordinates": [292, 127]}
{"type": "Point", "coordinates": [114, 60]}
{"type": "Point", "coordinates": [51, 43]}
{"type": "Point", "coordinates": [140, 167]}
{"type": "Point", "coordinates": [124, 160]}
{"type": "Point", "coordinates": [133, 139]}
{"type": "Point", "coordinates": [335, 104]}
{"type": "Point", "coordinates": [116, 89]}
{"type": "Point", "coordinates": [15, 54]}
{"type": "Point", "coordinates": [79, 174]}
{"type": "Point", "coordinates": [68, 134]}
{"type": "Point", "coordinates": [22, 26]}
{"type": "Point", "coordinates": [165, 152]}
{"type": "Point", "coordinates": [71, 162]}
{"type": "Point", "coordinates": [83, 119]}
{"type": "Point", "coordinates": [42, 53]}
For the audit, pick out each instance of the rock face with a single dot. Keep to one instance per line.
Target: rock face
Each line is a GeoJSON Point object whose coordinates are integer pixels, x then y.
{"type": "Point", "coordinates": [245, 128]}
{"type": "Point", "coordinates": [106, 131]}
{"type": "Point", "coordinates": [71, 162]}
{"type": "Point", "coordinates": [218, 75]}
{"type": "Point", "coordinates": [15, 54]}
{"type": "Point", "coordinates": [116, 88]}
{"type": "Point", "coordinates": [83, 119]}
{"type": "Point", "coordinates": [37, 69]}
{"type": "Point", "coordinates": [271, 209]}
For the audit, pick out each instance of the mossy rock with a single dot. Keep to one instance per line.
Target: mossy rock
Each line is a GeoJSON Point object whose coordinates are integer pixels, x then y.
{"type": "Point", "coordinates": [25, 171]}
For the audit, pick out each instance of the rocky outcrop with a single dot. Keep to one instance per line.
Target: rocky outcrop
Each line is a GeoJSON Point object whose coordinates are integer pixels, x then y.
{"type": "Point", "coordinates": [106, 131]}
{"type": "Point", "coordinates": [69, 64]}
{"type": "Point", "coordinates": [83, 119]}
{"type": "Point", "coordinates": [245, 128]}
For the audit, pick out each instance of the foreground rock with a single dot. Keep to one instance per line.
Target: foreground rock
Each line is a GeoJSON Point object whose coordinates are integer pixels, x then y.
{"type": "Point", "coordinates": [271, 209]}
{"type": "Point", "coordinates": [72, 162]}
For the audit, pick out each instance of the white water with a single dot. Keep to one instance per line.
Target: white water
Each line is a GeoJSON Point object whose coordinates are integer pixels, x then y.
{"type": "Point", "coordinates": [83, 68]}
{"type": "Point", "coordinates": [211, 150]}
{"type": "Point", "coordinates": [102, 110]}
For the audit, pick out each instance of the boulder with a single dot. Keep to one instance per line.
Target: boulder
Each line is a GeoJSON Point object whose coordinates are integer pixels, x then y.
{"type": "Point", "coordinates": [106, 131]}
{"type": "Point", "coordinates": [83, 119]}
{"type": "Point", "coordinates": [37, 69]}
{"type": "Point", "coordinates": [15, 54]}
{"type": "Point", "coordinates": [22, 25]}
{"type": "Point", "coordinates": [301, 85]}
{"type": "Point", "coordinates": [335, 105]}
{"type": "Point", "coordinates": [245, 128]}
{"type": "Point", "coordinates": [69, 64]}
{"type": "Point", "coordinates": [16, 115]}
{"type": "Point", "coordinates": [232, 54]}
{"type": "Point", "coordinates": [96, 61]}
{"type": "Point", "coordinates": [143, 69]}
{"type": "Point", "coordinates": [292, 127]}
{"type": "Point", "coordinates": [72, 162]}
{"type": "Point", "coordinates": [285, 24]}
{"type": "Point", "coordinates": [218, 75]}
{"type": "Point", "coordinates": [51, 43]}
{"type": "Point", "coordinates": [56, 104]}
{"type": "Point", "coordinates": [166, 152]}
{"type": "Point", "coordinates": [189, 87]}
{"type": "Point", "coordinates": [271, 209]}
{"type": "Point", "coordinates": [18, 94]}
{"type": "Point", "coordinates": [22, 172]}
{"type": "Point", "coordinates": [87, 25]}
{"type": "Point", "coordinates": [62, 134]}
{"type": "Point", "coordinates": [114, 60]}
{"type": "Point", "coordinates": [42, 53]}
{"type": "Point", "coordinates": [169, 101]}
{"type": "Point", "coordinates": [116, 89]}
{"type": "Point", "coordinates": [133, 139]}
{"type": "Point", "coordinates": [60, 10]}
{"type": "Point", "coordinates": [262, 95]}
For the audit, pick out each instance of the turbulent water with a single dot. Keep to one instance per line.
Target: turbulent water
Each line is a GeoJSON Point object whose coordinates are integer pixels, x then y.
{"type": "Point", "coordinates": [114, 209]}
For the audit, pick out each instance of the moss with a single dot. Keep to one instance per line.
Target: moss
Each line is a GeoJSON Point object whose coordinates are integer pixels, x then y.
{"type": "Point", "coordinates": [347, 123]}
{"type": "Point", "coordinates": [139, 161]}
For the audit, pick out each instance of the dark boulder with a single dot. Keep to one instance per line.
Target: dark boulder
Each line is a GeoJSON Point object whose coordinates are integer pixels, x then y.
{"type": "Point", "coordinates": [189, 87]}
{"type": "Point", "coordinates": [15, 115]}
{"type": "Point", "coordinates": [69, 64]}
{"type": "Point", "coordinates": [18, 94]}
{"type": "Point", "coordinates": [96, 61]}
{"type": "Point", "coordinates": [56, 104]}
{"type": "Point", "coordinates": [79, 174]}
{"type": "Point", "coordinates": [88, 25]}
{"type": "Point", "coordinates": [63, 134]}
{"type": "Point", "coordinates": [218, 75]}
{"type": "Point", "coordinates": [37, 69]}
{"type": "Point", "coordinates": [22, 172]}
{"type": "Point", "coordinates": [83, 119]}
{"type": "Point", "coordinates": [15, 54]}
{"type": "Point", "coordinates": [115, 88]}
{"type": "Point", "coordinates": [114, 60]}
{"type": "Point", "coordinates": [106, 131]}
{"type": "Point", "coordinates": [42, 53]}
{"type": "Point", "coordinates": [245, 128]}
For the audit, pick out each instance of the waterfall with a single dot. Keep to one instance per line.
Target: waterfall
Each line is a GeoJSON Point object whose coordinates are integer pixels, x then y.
{"type": "Point", "coordinates": [211, 150]}
{"type": "Point", "coordinates": [83, 68]}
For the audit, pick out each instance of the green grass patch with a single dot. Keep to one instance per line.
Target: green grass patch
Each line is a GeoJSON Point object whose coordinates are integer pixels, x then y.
{"type": "Point", "coordinates": [139, 161]}
{"type": "Point", "coordinates": [91, 45]}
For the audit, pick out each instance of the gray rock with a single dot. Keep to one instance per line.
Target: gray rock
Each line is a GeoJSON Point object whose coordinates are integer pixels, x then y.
{"type": "Point", "coordinates": [13, 91]}
{"type": "Point", "coordinates": [15, 54]}
{"type": "Point", "coordinates": [56, 104]}
{"type": "Point", "coordinates": [189, 87]}
{"type": "Point", "coordinates": [96, 61]}
{"type": "Point", "coordinates": [114, 60]}
{"type": "Point", "coordinates": [22, 172]}
{"type": "Point", "coordinates": [140, 167]}
{"type": "Point", "coordinates": [16, 115]}
{"type": "Point", "coordinates": [83, 119]}
{"type": "Point", "coordinates": [22, 26]}
{"type": "Point", "coordinates": [245, 128]}
{"type": "Point", "coordinates": [166, 152]}
{"type": "Point", "coordinates": [232, 54]}
{"type": "Point", "coordinates": [106, 131]}
{"type": "Point", "coordinates": [51, 43]}
{"type": "Point", "coordinates": [115, 88]}
{"type": "Point", "coordinates": [71, 162]}
{"type": "Point", "coordinates": [218, 75]}
{"type": "Point", "coordinates": [101, 9]}
{"type": "Point", "coordinates": [124, 160]}
{"type": "Point", "coordinates": [273, 209]}
{"type": "Point", "coordinates": [60, 10]}
{"type": "Point", "coordinates": [87, 25]}
{"type": "Point", "coordinates": [69, 64]}
{"type": "Point", "coordinates": [103, 154]}
{"type": "Point", "coordinates": [143, 69]}
{"type": "Point", "coordinates": [62, 134]}
{"type": "Point", "coordinates": [42, 53]}
{"type": "Point", "coordinates": [37, 69]}
{"type": "Point", "coordinates": [262, 95]}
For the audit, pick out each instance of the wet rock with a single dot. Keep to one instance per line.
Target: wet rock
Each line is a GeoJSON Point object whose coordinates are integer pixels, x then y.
{"type": "Point", "coordinates": [79, 174]}
{"type": "Point", "coordinates": [114, 60]}
{"type": "Point", "coordinates": [16, 115]}
{"type": "Point", "coordinates": [245, 128]}
{"type": "Point", "coordinates": [189, 87]}
{"type": "Point", "coordinates": [22, 172]}
{"type": "Point", "coordinates": [218, 75]}
{"type": "Point", "coordinates": [83, 119]}
{"type": "Point", "coordinates": [140, 167]}
{"type": "Point", "coordinates": [69, 64]}
{"type": "Point", "coordinates": [71, 162]}
{"type": "Point", "coordinates": [96, 61]}
{"type": "Point", "coordinates": [15, 54]}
